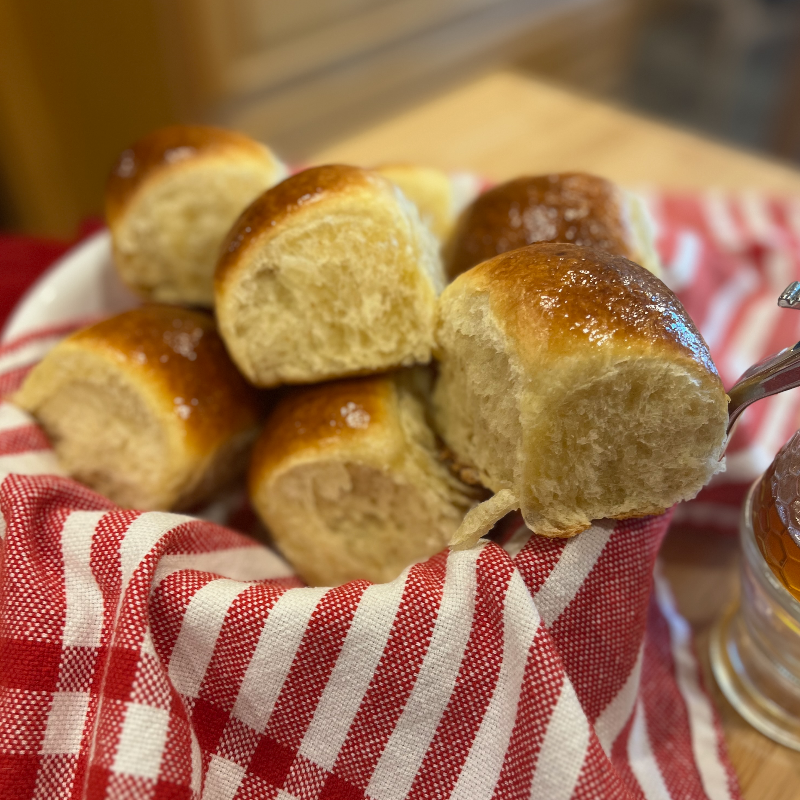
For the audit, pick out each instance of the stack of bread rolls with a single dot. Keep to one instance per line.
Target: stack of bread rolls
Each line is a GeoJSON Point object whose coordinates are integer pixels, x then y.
{"type": "Point", "coordinates": [555, 374]}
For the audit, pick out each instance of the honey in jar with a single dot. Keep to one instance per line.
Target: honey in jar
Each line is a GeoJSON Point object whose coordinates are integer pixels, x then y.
{"type": "Point", "coordinates": [776, 516]}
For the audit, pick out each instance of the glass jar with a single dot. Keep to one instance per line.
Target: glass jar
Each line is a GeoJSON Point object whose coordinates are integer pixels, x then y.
{"type": "Point", "coordinates": [755, 647]}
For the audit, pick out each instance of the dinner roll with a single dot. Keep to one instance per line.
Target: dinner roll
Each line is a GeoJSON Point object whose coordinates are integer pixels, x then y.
{"type": "Point", "coordinates": [439, 197]}
{"type": "Point", "coordinates": [570, 207]}
{"type": "Point", "coordinates": [170, 200]}
{"type": "Point", "coordinates": [330, 273]}
{"type": "Point", "coordinates": [346, 477]}
{"type": "Point", "coordinates": [146, 408]}
{"type": "Point", "coordinates": [575, 379]}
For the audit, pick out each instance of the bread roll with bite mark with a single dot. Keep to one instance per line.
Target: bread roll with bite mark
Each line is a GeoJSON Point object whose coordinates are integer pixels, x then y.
{"type": "Point", "coordinates": [346, 477]}
{"type": "Point", "coordinates": [571, 207]}
{"type": "Point", "coordinates": [576, 380]}
{"type": "Point", "coordinates": [439, 197]}
{"type": "Point", "coordinates": [329, 274]}
{"type": "Point", "coordinates": [170, 200]}
{"type": "Point", "coordinates": [146, 408]}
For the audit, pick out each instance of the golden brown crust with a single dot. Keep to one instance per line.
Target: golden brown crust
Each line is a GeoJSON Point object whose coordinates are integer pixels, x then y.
{"type": "Point", "coordinates": [318, 416]}
{"type": "Point", "coordinates": [571, 207]}
{"type": "Point", "coordinates": [555, 297]}
{"type": "Point", "coordinates": [277, 203]}
{"type": "Point", "coordinates": [166, 147]}
{"type": "Point", "coordinates": [181, 352]}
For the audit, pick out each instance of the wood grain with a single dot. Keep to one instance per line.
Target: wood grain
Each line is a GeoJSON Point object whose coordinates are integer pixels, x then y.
{"type": "Point", "coordinates": [507, 124]}
{"type": "Point", "coordinates": [704, 573]}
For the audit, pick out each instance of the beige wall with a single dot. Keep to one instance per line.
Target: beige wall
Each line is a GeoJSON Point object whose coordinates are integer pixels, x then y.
{"type": "Point", "coordinates": [81, 79]}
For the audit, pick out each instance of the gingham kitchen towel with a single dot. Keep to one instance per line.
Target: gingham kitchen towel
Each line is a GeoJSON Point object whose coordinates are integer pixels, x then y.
{"type": "Point", "coordinates": [153, 655]}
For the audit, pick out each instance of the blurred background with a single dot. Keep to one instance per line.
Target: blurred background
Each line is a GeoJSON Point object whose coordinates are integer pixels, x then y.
{"type": "Point", "coordinates": [79, 81]}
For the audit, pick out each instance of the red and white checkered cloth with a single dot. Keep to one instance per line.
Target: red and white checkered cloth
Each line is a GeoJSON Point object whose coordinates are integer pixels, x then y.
{"type": "Point", "coordinates": [151, 655]}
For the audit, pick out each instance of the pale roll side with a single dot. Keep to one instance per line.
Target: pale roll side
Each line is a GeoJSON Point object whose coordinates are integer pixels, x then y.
{"type": "Point", "coordinates": [347, 478]}
{"type": "Point", "coordinates": [439, 197]}
{"type": "Point", "coordinates": [146, 408]}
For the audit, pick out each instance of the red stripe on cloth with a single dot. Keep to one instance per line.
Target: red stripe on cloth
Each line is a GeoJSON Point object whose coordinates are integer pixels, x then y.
{"type": "Point", "coordinates": [49, 332]}
{"type": "Point", "coordinates": [35, 508]}
{"type": "Point", "coordinates": [19, 768]}
{"type": "Point", "coordinates": [537, 559]}
{"type": "Point", "coordinates": [599, 634]}
{"type": "Point", "coordinates": [477, 677]}
{"type": "Point", "coordinates": [598, 777]}
{"type": "Point", "coordinates": [175, 777]}
{"type": "Point", "coordinates": [395, 675]}
{"type": "Point", "coordinates": [666, 715]}
{"type": "Point", "coordinates": [32, 619]}
{"type": "Point", "coordinates": [541, 686]}
{"type": "Point", "coordinates": [12, 380]}
{"type": "Point", "coordinates": [192, 537]}
{"type": "Point", "coordinates": [313, 664]}
{"type": "Point", "coordinates": [168, 605]}
{"type": "Point", "coordinates": [787, 216]}
{"type": "Point", "coordinates": [26, 438]}
{"type": "Point", "coordinates": [233, 652]}
{"type": "Point", "coordinates": [106, 564]}
{"type": "Point", "coordinates": [621, 763]}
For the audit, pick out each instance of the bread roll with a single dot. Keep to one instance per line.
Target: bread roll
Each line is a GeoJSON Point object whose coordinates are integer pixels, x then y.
{"type": "Point", "coordinates": [329, 274]}
{"type": "Point", "coordinates": [170, 200]}
{"type": "Point", "coordinates": [146, 408]}
{"type": "Point", "coordinates": [576, 380]}
{"type": "Point", "coordinates": [346, 477]}
{"type": "Point", "coordinates": [439, 197]}
{"type": "Point", "coordinates": [570, 207]}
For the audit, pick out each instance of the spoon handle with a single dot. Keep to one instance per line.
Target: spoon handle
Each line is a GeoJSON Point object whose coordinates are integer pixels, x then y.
{"type": "Point", "coordinates": [772, 375]}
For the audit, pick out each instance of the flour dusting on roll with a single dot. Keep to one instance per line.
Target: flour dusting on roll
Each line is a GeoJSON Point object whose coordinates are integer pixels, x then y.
{"type": "Point", "coordinates": [146, 408]}
{"type": "Point", "coordinates": [347, 478]}
{"type": "Point", "coordinates": [170, 200]}
{"type": "Point", "coordinates": [576, 380]}
{"type": "Point", "coordinates": [329, 274]}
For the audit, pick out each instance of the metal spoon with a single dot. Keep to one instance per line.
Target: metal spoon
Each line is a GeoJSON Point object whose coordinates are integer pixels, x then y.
{"type": "Point", "coordinates": [772, 375]}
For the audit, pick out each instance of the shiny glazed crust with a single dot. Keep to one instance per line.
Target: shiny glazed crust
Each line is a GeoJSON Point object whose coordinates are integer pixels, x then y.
{"type": "Point", "coordinates": [172, 148]}
{"type": "Point", "coordinates": [146, 408]}
{"type": "Point", "coordinates": [554, 299]}
{"type": "Point", "coordinates": [180, 356]}
{"type": "Point", "coordinates": [575, 208]}
{"type": "Point", "coordinates": [329, 416]}
{"type": "Point", "coordinates": [329, 274]}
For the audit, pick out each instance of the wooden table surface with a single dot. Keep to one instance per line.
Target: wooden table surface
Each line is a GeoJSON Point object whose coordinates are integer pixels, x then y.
{"type": "Point", "coordinates": [507, 124]}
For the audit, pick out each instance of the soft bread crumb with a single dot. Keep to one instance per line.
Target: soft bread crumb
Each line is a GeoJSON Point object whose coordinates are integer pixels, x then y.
{"type": "Point", "coordinates": [340, 286]}
{"type": "Point", "coordinates": [166, 243]}
{"type": "Point", "coordinates": [575, 379]}
{"type": "Point", "coordinates": [481, 519]}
